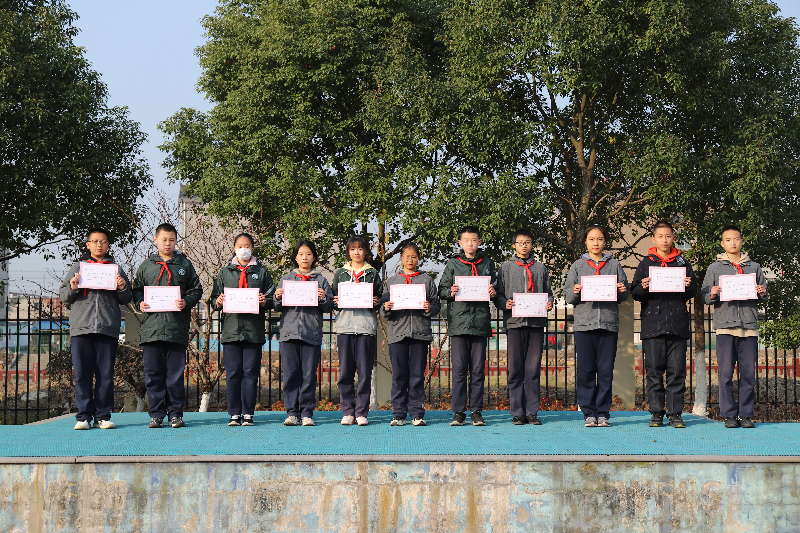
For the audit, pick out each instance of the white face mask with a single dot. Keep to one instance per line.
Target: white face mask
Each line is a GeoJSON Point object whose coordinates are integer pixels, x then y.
{"type": "Point", "coordinates": [244, 254]}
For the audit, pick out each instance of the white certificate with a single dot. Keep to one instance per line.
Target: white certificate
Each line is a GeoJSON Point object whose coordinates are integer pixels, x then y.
{"type": "Point", "coordinates": [738, 287]}
{"type": "Point", "coordinates": [407, 296]}
{"type": "Point", "coordinates": [473, 288]}
{"type": "Point", "coordinates": [669, 279]}
{"type": "Point", "coordinates": [98, 276]}
{"type": "Point", "coordinates": [300, 293]}
{"type": "Point", "coordinates": [599, 288]}
{"type": "Point", "coordinates": [355, 295]}
{"type": "Point", "coordinates": [240, 301]}
{"type": "Point", "coordinates": [162, 298]}
{"type": "Point", "coordinates": [529, 304]}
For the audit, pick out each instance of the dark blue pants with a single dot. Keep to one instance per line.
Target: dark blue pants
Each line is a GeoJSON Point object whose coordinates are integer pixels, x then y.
{"type": "Point", "coordinates": [299, 363]}
{"type": "Point", "coordinates": [468, 354]}
{"type": "Point", "coordinates": [356, 354]}
{"type": "Point", "coordinates": [524, 369]}
{"type": "Point", "coordinates": [665, 355]}
{"type": "Point", "coordinates": [731, 350]}
{"type": "Point", "coordinates": [595, 352]}
{"type": "Point", "coordinates": [242, 365]}
{"type": "Point", "coordinates": [409, 358]}
{"type": "Point", "coordinates": [93, 358]}
{"type": "Point", "coordinates": [164, 364]}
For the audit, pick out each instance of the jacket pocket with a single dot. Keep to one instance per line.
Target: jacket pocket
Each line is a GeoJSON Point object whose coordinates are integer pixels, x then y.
{"type": "Point", "coordinates": [650, 319]}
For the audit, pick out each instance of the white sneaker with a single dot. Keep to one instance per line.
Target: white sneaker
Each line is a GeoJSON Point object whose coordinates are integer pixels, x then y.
{"type": "Point", "coordinates": [104, 424]}
{"type": "Point", "coordinates": [82, 424]}
{"type": "Point", "coordinates": [291, 421]}
{"type": "Point", "coordinates": [397, 421]}
{"type": "Point", "coordinates": [362, 421]}
{"type": "Point", "coordinates": [348, 420]}
{"type": "Point", "coordinates": [419, 422]}
{"type": "Point", "coordinates": [308, 421]}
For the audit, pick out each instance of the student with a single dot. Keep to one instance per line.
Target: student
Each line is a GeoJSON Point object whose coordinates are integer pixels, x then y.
{"type": "Point", "coordinates": [409, 335]}
{"type": "Point", "coordinates": [596, 328]}
{"type": "Point", "coordinates": [94, 324]}
{"type": "Point", "coordinates": [469, 325]}
{"type": "Point", "coordinates": [301, 337]}
{"type": "Point", "coordinates": [737, 329]}
{"type": "Point", "coordinates": [665, 328]}
{"type": "Point", "coordinates": [165, 335]}
{"type": "Point", "coordinates": [243, 334]}
{"type": "Point", "coordinates": [525, 335]}
{"type": "Point", "coordinates": [355, 333]}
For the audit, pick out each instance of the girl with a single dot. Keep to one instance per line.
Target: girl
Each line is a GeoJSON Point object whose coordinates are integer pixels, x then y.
{"type": "Point", "coordinates": [409, 335]}
{"type": "Point", "coordinates": [596, 327]}
{"type": "Point", "coordinates": [355, 333]}
{"type": "Point", "coordinates": [243, 334]}
{"type": "Point", "coordinates": [301, 337]}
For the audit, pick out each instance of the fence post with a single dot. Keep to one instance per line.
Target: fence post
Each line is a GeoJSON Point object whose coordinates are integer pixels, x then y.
{"type": "Point", "coordinates": [625, 365]}
{"type": "Point", "coordinates": [382, 377]}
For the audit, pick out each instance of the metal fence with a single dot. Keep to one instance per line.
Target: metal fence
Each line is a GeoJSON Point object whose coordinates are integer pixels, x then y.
{"type": "Point", "coordinates": [34, 340]}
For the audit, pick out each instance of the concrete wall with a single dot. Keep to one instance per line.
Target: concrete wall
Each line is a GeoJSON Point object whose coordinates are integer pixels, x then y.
{"type": "Point", "coordinates": [401, 496]}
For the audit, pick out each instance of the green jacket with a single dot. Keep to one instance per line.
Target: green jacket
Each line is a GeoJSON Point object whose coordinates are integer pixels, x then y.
{"type": "Point", "coordinates": [242, 326]}
{"type": "Point", "coordinates": [466, 318]}
{"type": "Point", "coordinates": [170, 326]}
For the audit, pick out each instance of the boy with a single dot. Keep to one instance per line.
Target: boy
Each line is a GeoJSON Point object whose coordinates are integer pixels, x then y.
{"type": "Point", "coordinates": [94, 323]}
{"type": "Point", "coordinates": [469, 326]}
{"type": "Point", "coordinates": [737, 329]}
{"type": "Point", "coordinates": [522, 273]}
{"type": "Point", "coordinates": [165, 335]}
{"type": "Point", "coordinates": [665, 328]}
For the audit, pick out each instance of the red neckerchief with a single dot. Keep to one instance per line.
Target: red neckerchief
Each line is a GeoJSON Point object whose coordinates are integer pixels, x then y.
{"type": "Point", "coordinates": [302, 277]}
{"type": "Point", "coordinates": [737, 265]}
{"type": "Point", "coordinates": [163, 268]}
{"type": "Point", "coordinates": [356, 275]}
{"type": "Point", "coordinates": [530, 274]}
{"type": "Point", "coordinates": [673, 255]}
{"type": "Point", "coordinates": [90, 260]}
{"type": "Point", "coordinates": [597, 268]}
{"type": "Point", "coordinates": [472, 265]}
{"type": "Point", "coordinates": [242, 276]}
{"type": "Point", "coordinates": [409, 276]}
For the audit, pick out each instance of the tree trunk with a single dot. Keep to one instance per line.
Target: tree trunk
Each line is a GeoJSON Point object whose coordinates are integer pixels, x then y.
{"type": "Point", "coordinates": [700, 407]}
{"type": "Point", "coordinates": [204, 401]}
{"type": "Point", "coordinates": [139, 404]}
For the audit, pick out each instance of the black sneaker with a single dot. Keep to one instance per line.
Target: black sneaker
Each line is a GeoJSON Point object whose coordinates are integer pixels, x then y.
{"type": "Point", "coordinates": [731, 422]}
{"type": "Point", "coordinates": [156, 423]}
{"type": "Point", "coordinates": [177, 422]}
{"type": "Point", "coordinates": [676, 421]}
{"type": "Point", "coordinates": [477, 418]}
{"type": "Point", "coordinates": [458, 419]}
{"type": "Point", "coordinates": [519, 420]}
{"type": "Point", "coordinates": [656, 420]}
{"type": "Point", "coordinates": [247, 420]}
{"type": "Point", "coordinates": [235, 421]}
{"type": "Point", "coordinates": [745, 422]}
{"type": "Point", "coordinates": [533, 419]}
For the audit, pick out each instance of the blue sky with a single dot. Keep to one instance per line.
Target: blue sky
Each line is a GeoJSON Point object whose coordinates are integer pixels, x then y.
{"type": "Point", "coordinates": [144, 51]}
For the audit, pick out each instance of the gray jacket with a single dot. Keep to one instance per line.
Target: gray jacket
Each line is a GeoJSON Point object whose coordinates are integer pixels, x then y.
{"type": "Point", "coordinates": [513, 278]}
{"type": "Point", "coordinates": [594, 315]}
{"type": "Point", "coordinates": [738, 313]}
{"type": "Point", "coordinates": [304, 323]}
{"type": "Point", "coordinates": [410, 323]}
{"type": "Point", "coordinates": [91, 310]}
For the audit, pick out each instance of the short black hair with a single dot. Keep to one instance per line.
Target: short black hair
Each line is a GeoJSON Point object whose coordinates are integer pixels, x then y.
{"type": "Point", "coordinates": [662, 224]}
{"type": "Point", "coordinates": [521, 233]}
{"type": "Point", "coordinates": [246, 236]}
{"type": "Point", "coordinates": [413, 246]}
{"type": "Point", "coordinates": [98, 230]}
{"type": "Point", "coordinates": [469, 229]}
{"type": "Point", "coordinates": [166, 226]}
{"type": "Point", "coordinates": [589, 228]}
{"type": "Point", "coordinates": [730, 227]}
{"type": "Point", "coordinates": [311, 246]}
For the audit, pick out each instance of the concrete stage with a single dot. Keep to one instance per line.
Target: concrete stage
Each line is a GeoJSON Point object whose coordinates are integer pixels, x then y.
{"type": "Point", "coordinates": [551, 478]}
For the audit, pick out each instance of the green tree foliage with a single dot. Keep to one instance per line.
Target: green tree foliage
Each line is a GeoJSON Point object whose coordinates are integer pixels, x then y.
{"type": "Point", "coordinates": [67, 161]}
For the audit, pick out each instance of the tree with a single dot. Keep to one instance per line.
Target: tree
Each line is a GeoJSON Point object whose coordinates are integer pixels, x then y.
{"type": "Point", "coordinates": [67, 161]}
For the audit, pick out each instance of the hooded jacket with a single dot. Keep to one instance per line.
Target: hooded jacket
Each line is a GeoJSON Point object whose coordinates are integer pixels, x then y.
{"type": "Point", "coordinates": [169, 326]}
{"type": "Point", "coordinates": [737, 313]}
{"type": "Point", "coordinates": [594, 315]}
{"type": "Point", "coordinates": [244, 326]}
{"type": "Point", "coordinates": [357, 321]}
{"type": "Point", "coordinates": [512, 278]}
{"type": "Point", "coordinates": [93, 310]}
{"type": "Point", "coordinates": [466, 318]}
{"type": "Point", "coordinates": [663, 313]}
{"type": "Point", "coordinates": [304, 323]}
{"type": "Point", "coordinates": [410, 323]}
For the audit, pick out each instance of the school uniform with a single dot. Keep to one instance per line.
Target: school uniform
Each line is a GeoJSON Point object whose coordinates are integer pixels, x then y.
{"type": "Point", "coordinates": [665, 331]}
{"type": "Point", "coordinates": [525, 335]}
{"type": "Point", "coordinates": [242, 334]}
{"type": "Point", "coordinates": [736, 323]}
{"type": "Point", "coordinates": [469, 325]}
{"type": "Point", "coordinates": [94, 324]}
{"type": "Point", "coordinates": [356, 330]}
{"type": "Point", "coordinates": [409, 335]}
{"type": "Point", "coordinates": [165, 335]}
{"type": "Point", "coordinates": [301, 346]}
{"type": "Point", "coordinates": [596, 327]}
